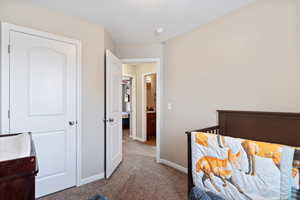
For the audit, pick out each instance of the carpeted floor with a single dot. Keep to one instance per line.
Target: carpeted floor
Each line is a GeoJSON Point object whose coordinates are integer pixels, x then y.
{"type": "Point", "coordinates": [138, 177]}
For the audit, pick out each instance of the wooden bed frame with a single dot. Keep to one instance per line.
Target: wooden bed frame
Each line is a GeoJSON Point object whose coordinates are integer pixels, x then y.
{"type": "Point", "coordinates": [273, 127]}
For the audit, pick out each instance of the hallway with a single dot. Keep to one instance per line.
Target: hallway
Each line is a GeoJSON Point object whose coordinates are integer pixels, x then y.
{"type": "Point", "coordinates": [138, 177]}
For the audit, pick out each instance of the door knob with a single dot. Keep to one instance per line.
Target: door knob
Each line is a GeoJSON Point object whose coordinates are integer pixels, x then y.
{"type": "Point", "coordinates": [71, 123]}
{"type": "Point", "coordinates": [111, 120]}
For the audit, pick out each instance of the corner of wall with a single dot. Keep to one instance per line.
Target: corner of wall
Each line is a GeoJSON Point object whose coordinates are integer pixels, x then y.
{"type": "Point", "coordinates": [109, 43]}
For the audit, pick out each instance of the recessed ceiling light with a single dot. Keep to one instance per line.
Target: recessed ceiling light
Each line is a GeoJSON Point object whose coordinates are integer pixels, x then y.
{"type": "Point", "coordinates": [159, 31]}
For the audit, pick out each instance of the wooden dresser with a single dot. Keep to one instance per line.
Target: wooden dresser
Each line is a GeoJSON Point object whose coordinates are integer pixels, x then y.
{"type": "Point", "coordinates": [17, 176]}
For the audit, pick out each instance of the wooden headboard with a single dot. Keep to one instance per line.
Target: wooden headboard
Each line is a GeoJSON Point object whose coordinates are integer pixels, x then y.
{"type": "Point", "coordinates": [281, 128]}
{"type": "Point", "coordinates": [273, 127]}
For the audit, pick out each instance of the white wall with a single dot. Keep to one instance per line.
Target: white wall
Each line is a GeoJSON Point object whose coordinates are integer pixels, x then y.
{"type": "Point", "coordinates": [26, 14]}
{"type": "Point", "coordinates": [248, 60]}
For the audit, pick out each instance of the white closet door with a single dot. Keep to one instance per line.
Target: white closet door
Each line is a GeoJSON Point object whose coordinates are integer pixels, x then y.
{"type": "Point", "coordinates": [43, 101]}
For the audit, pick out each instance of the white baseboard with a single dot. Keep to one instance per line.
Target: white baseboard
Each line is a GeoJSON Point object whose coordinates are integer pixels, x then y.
{"type": "Point", "coordinates": [174, 165]}
{"type": "Point", "coordinates": [139, 139]}
{"type": "Point", "coordinates": [92, 179]}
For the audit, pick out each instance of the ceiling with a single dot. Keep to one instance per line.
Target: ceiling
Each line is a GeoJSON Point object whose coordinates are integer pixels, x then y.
{"type": "Point", "coordinates": [135, 21]}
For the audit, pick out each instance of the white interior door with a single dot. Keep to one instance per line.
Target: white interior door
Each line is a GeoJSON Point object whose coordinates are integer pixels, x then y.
{"type": "Point", "coordinates": [43, 101]}
{"type": "Point", "coordinates": [113, 113]}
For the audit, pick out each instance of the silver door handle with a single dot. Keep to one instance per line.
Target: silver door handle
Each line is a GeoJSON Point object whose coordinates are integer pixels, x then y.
{"type": "Point", "coordinates": [71, 123]}
{"type": "Point", "coordinates": [108, 120]}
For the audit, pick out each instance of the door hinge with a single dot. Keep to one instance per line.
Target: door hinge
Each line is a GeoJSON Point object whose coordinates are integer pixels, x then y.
{"type": "Point", "coordinates": [8, 114]}
{"type": "Point", "coordinates": [9, 48]}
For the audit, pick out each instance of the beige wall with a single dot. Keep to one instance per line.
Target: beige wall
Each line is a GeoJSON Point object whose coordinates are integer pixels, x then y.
{"type": "Point", "coordinates": [129, 69]}
{"type": "Point", "coordinates": [108, 42]}
{"type": "Point", "coordinates": [248, 60]}
{"type": "Point", "coordinates": [139, 51]}
{"type": "Point", "coordinates": [139, 70]}
{"type": "Point", "coordinates": [92, 36]}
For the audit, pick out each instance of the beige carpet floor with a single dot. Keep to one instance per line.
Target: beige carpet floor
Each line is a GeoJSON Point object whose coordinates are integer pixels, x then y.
{"type": "Point", "coordinates": [138, 177]}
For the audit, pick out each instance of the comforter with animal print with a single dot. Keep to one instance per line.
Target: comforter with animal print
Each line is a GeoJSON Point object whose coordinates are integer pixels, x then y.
{"type": "Point", "coordinates": [240, 169]}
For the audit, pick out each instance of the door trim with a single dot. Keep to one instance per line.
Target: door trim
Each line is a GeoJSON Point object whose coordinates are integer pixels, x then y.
{"type": "Point", "coordinates": [159, 88]}
{"type": "Point", "coordinates": [133, 102]}
{"type": "Point", "coordinates": [4, 122]}
{"type": "Point", "coordinates": [144, 105]}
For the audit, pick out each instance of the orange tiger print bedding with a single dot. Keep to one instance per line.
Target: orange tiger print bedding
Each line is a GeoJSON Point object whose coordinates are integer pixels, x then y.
{"type": "Point", "coordinates": [243, 169]}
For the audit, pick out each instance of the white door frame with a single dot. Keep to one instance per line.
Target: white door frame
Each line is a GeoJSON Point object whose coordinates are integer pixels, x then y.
{"type": "Point", "coordinates": [158, 95]}
{"type": "Point", "coordinates": [4, 122]}
{"type": "Point", "coordinates": [144, 104]}
{"type": "Point", "coordinates": [133, 104]}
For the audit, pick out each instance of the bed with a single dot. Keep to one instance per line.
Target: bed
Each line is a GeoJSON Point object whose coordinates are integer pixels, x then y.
{"type": "Point", "coordinates": [269, 127]}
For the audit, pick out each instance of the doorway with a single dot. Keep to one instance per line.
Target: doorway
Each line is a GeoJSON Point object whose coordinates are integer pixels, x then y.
{"type": "Point", "coordinates": [147, 105]}
{"type": "Point", "coordinates": [129, 105]}
{"type": "Point", "coordinates": [149, 108]}
{"type": "Point", "coordinates": [124, 110]}
{"type": "Point", "coordinates": [126, 106]}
